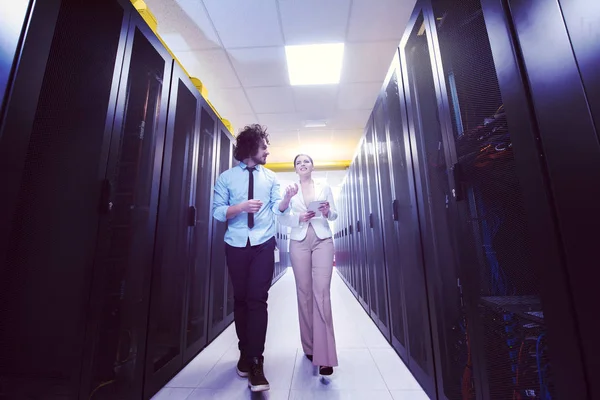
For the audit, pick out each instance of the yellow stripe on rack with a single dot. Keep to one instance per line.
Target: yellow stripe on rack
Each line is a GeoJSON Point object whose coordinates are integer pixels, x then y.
{"type": "Point", "coordinates": [150, 19]}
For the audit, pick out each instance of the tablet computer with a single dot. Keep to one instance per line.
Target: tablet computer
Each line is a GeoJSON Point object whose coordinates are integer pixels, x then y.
{"type": "Point", "coordinates": [314, 206]}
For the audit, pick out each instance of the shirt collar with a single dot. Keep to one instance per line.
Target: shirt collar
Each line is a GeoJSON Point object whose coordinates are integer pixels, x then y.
{"type": "Point", "coordinates": [243, 165]}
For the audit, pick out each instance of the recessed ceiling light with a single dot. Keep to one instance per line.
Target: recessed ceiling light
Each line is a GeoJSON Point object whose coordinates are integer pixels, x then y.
{"type": "Point", "coordinates": [315, 64]}
{"type": "Point", "coordinates": [315, 124]}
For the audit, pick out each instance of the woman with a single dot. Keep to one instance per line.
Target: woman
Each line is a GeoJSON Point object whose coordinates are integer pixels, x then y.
{"type": "Point", "coordinates": [311, 253]}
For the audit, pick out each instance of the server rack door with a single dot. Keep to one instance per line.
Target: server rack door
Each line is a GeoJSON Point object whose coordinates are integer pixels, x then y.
{"type": "Point", "coordinates": [402, 239]}
{"type": "Point", "coordinates": [379, 189]}
{"type": "Point", "coordinates": [164, 355]}
{"type": "Point", "coordinates": [197, 292]}
{"type": "Point", "coordinates": [219, 279]}
{"type": "Point", "coordinates": [566, 114]}
{"type": "Point", "coordinates": [427, 150]}
{"type": "Point", "coordinates": [355, 250]}
{"type": "Point", "coordinates": [128, 223]}
{"type": "Point", "coordinates": [362, 230]}
{"type": "Point", "coordinates": [367, 216]}
{"type": "Point", "coordinates": [353, 254]}
{"type": "Point", "coordinates": [360, 244]}
{"type": "Point", "coordinates": [229, 289]}
{"type": "Point", "coordinates": [507, 332]}
{"type": "Point", "coordinates": [51, 154]}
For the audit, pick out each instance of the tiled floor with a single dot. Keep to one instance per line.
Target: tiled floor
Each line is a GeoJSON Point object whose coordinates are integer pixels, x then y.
{"type": "Point", "coordinates": [369, 368]}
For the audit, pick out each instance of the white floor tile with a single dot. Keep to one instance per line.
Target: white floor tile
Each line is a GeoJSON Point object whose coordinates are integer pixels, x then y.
{"type": "Point", "coordinates": [238, 394]}
{"type": "Point", "coordinates": [340, 395]}
{"type": "Point", "coordinates": [394, 371]}
{"type": "Point", "coordinates": [369, 367]}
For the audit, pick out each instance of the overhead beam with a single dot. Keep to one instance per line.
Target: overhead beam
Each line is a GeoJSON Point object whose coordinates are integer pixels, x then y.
{"type": "Point", "coordinates": [319, 166]}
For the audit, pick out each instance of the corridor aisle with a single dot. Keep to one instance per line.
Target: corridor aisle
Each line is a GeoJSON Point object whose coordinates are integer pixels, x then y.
{"type": "Point", "coordinates": [369, 368]}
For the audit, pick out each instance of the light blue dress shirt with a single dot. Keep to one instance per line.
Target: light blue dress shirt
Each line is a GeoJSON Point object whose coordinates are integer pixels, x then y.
{"type": "Point", "coordinates": [231, 188]}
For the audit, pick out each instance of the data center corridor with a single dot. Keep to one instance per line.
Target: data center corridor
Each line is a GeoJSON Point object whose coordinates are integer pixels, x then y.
{"type": "Point", "coordinates": [369, 367]}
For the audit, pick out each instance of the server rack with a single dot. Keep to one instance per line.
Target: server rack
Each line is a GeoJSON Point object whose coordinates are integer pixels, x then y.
{"type": "Point", "coordinates": [53, 147]}
{"type": "Point", "coordinates": [488, 250]}
{"type": "Point", "coordinates": [116, 339]}
{"type": "Point", "coordinates": [174, 273]}
{"type": "Point", "coordinates": [374, 234]}
{"type": "Point", "coordinates": [221, 304]}
{"type": "Point", "coordinates": [198, 289]}
{"type": "Point", "coordinates": [108, 157]}
{"type": "Point", "coordinates": [567, 118]}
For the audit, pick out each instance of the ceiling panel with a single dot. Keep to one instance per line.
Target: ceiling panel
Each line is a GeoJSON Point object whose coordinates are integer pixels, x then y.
{"type": "Point", "coordinates": [349, 119]}
{"type": "Point", "coordinates": [267, 100]}
{"type": "Point", "coordinates": [314, 21]}
{"type": "Point", "coordinates": [246, 23]}
{"type": "Point", "coordinates": [238, 121]}
{"type": "Point", "coordinates": [360, 95]}
{"type": "Point", "coordinates": [315, 137]}
{"type": "Point", "coordinates": [349, 135]}
{"type": "Point", "coordinates": [234, 102]}
{"type": "Point", "coordinates": [367, 62]}
{"type": "Point", "coordinates": [184, 24]}
{"type": "Point", "coordinates": [315, 98]}
{"type": "Point", "coordinates": [280, 122]}
{"type": "Point", "coordinates": [262, 66]}
{"type": "Point", "coordinates": [378, 20]}
{"type": "Point", "coordinates": [210, 66]}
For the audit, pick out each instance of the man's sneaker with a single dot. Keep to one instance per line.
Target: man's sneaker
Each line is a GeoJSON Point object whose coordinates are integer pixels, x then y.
{"type": "Point", "coordinates": [243, 366]}
{"type": "Point", "coordinates": [256, 380]}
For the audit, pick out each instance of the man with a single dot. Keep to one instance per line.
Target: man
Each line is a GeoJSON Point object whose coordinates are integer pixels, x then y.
{"type": "Point", "coordinates": [247, 196]}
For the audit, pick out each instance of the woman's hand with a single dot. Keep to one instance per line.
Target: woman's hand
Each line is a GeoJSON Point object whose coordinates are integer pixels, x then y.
{"type": "Point", "coordinates": [307, 216]}
{"type": "Point", "coordinates": [324, 209]}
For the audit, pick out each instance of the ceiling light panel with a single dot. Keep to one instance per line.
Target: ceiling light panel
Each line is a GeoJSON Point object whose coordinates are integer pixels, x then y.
{"type": "Point", "coordinates": [316, 64]}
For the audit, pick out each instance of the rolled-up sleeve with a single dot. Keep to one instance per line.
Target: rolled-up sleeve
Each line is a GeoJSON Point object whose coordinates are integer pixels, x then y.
{"type": "Point", "coordinates": [289, 219]}
{"type": "Point", "coordinates": [220, 200]}
{"type": "Point", "coordinates": [276, 198]}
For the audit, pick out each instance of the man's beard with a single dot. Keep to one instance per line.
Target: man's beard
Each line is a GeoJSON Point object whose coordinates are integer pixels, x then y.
{"type": "Point", "coordinates": [257, 160]}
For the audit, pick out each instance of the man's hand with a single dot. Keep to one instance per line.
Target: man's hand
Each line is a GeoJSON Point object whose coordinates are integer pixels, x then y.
{"type": "Point", "coordinates": [307, 216]}
{"type": "Point", "coordinates": [290, 192]}
{"type": "Point", "coordinates": [251, 206]}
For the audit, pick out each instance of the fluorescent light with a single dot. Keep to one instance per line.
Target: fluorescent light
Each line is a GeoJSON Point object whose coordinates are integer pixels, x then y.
{"type": "Point", "coordinates": [315, 64]}
{"type": "Point", "coordinates": [315, 124]}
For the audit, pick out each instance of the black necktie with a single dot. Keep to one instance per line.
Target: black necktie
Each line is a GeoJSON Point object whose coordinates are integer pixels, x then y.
{"type": "Point", "coordinates": [250, 195]}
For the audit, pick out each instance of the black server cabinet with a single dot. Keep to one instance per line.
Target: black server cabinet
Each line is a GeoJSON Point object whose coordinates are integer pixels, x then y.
{"type": "Point", "coordinates": [173, 252]}
{"type": "Point", "coordinates": [360, 234]}
{"type": "Point", "coordinates": [198, 287]}
{"type": "Point", "coordinates": [354, 250]}
{"type": "Point", "coordinates": [366, 228]}
{"type": "Point", "coordinates": [564, 88]}
{"type": "Point", "coordinates": [428, 158]}
{"type": "Point", "coordinates": [221, 294]}
{"type": "Point", "coordinates": [400, 217]}
{"type": "Point", "coordinates": [376, 261]}
{"type": "Point", "coordinates": [53, 150]}
{"type": "Point", "coordinates": [483, 250]}
{"type": "Point", "coordinates": [119, 308]}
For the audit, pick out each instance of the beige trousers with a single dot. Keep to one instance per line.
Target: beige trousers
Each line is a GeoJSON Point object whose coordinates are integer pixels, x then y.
{"type": "Point", "coordinates": [312, 263]}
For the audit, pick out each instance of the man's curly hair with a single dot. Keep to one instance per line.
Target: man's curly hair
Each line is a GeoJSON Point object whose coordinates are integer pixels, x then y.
{"type": "Point", "coordinates": [248, 140]}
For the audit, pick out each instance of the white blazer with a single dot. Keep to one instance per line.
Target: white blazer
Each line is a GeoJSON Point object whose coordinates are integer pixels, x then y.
{"type": "Point", "coordinates": [319, 224]}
